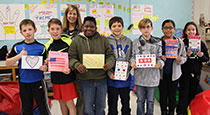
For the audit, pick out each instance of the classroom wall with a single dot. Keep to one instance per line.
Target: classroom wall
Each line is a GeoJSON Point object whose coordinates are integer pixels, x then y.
{"type": "Point", "coordinates": [178, 10]}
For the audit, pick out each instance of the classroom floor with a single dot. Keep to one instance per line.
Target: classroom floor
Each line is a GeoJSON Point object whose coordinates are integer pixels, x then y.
{"type": "Point", "coordinates": [55, 108]}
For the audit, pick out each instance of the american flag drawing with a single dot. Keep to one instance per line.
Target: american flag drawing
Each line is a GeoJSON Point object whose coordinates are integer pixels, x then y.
{"type": "Point", "coordinates": [58, 61]}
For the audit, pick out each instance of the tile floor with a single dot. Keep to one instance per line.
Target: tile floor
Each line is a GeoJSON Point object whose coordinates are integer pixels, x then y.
{"type": "Point", "coordinates": [55, 108]}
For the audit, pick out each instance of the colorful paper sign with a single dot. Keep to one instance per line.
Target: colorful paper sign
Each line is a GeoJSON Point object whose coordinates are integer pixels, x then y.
{"type": "Point", "coordinates": [59, 61]}
{"type": "Point", "coordinates": [194, 43]}
{"type": "Point", "coordinates": [171, 48]}
{"type": "Point", "coordinates": [145, 61]}
{"type": "Point", "coordinates": [10, 17]}
{"type": "Point", "coordinates": [139, 12]}
{"type": "Point", "coordinates": [31, 62]}
{"type": "Point", "coordinates": [93, 61]}
{"type": "Point", "coordinates": [102, 13]}
{"type": "Point", "coordinates": [41, 14]}
{"type": "Point", "coordinates": [121, 69]}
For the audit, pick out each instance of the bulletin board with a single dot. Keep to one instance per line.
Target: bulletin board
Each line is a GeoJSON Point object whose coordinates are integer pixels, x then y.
{"type": "Point", "coordinates": [130, 10]}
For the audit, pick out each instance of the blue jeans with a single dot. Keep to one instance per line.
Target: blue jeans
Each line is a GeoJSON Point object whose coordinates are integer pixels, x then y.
{"type": "Point", "coordinates": [94, 96]}
{"type": "Point", "coordinates": [148, 94]}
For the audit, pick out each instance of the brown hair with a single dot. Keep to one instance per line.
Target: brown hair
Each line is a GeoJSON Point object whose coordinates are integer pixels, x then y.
{"type": "Point", "coordinates": [65, 21]}
{"type": "Point", "coordinates": [26, 22]}
{"type": "Point", "coordinates": [54, 21]}
{"type": "Point", "coordinates": [143, 22]}
{"type": "Point", "coordinates": [115, 19]}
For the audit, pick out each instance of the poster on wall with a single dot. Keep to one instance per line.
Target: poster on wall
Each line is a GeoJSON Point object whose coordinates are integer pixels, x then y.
{"type": "Point", "coordinates": [139, 12]}
{"type": "Point", "coordinates": [10, 17]}
{"type": "Point", "coordinates": [41, 14]}
{"type": "Point", "coordinates": [81, 7]}
{"type": "Point", "coordinates": [102, 13]}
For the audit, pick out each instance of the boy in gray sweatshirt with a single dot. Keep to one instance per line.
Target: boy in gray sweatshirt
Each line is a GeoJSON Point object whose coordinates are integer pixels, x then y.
{"type": "Point", "coordinates": [146, 79]}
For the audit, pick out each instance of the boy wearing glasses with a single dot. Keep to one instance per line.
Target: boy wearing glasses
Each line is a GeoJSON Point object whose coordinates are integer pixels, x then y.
{"type": "Point", "coordinates": [146, 79]}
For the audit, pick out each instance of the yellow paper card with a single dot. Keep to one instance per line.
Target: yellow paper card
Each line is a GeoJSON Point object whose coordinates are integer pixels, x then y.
{"type": "Point", "coordinates": [93, 61]}
{"type": "Point", "coordinates": [9, 29]}
{"type": "Point", "coordinates": [51, 1]}
{"type": "Point", "coordinates": [108, 11]}
{"type": "Point", "coordinates": [119, 7]}
{"type": "Point", "coordinates": [106, 22]}
{"type": "Point", "coordinates": [135, 25]}
{"type": "Point", "coordinates": [94, 11]}
{"type": "Point", "coordinates": [147, 16]}
{"type": "Point", "coordinates": [44, 1]}
{"type": "Point", "coordinates": [97, 22]}
{"type": "Point", "coordinates": [26, 6]}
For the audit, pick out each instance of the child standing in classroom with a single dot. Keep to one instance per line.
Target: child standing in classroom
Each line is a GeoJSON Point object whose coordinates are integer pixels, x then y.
{"type": "Point", "coordinates": [93, 82]}
{"type": "Point", "coordinates": [191, 69]}
{"type": "Point", "coordinates": [146, 79]}
{"type": "Point", "coordinates": [31, 83]}
{"type": "Point", "coordinates": [171, 71]}
{"type": "Point", "coordinates": [122, 47]}
{"type": "Point", "coordinates": [64, 88]}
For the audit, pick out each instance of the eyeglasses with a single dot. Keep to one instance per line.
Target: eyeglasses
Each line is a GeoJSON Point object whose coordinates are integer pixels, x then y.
{"type": "Point", "coordinates": [168, 28]}
{"type": "Point", "coordinates": [146, 27]}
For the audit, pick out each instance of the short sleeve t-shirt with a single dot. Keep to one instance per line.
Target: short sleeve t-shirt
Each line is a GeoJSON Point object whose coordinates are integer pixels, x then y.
{"type": "Point", "coordinates": [33, 49]}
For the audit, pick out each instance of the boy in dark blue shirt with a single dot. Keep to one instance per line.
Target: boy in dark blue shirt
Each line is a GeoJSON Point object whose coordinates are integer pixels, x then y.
{"type": "Point", "coordinates": [32, 85]}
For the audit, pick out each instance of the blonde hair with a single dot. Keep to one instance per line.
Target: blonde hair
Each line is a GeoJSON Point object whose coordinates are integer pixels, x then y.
{"type": "Point", "coordinates": [143, 22]}
{"type": "Point", "coordinates": [66, 22]}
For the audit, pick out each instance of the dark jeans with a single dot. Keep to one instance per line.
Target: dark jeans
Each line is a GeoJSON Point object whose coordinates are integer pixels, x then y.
{"type": "Point", "coordinates": [187, 91]}
{"type": "Point", "coordinates": [124, 94]}
{"type": "Point", "coordinates": [168, 90]}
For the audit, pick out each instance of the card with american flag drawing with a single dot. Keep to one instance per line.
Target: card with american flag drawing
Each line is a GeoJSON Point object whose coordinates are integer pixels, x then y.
{"type": "Point", "coordinates": [59, 61]}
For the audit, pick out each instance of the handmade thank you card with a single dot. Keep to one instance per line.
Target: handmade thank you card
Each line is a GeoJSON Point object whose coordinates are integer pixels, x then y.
{"type": "Point", "coordinates": [58, 61]}
{"type": "Point", "coordinates": [31, 62]}
{"type": "Point", "coordinates": [171, 48]}
{"type": "Point", "coordinates": [194, 43]}
{"type": "Point", "coordinates": [93, 61]}
{"type": "Point", "coordinates": [121, 68]}
{"type": "Point", "coordinates": [145, 60]}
